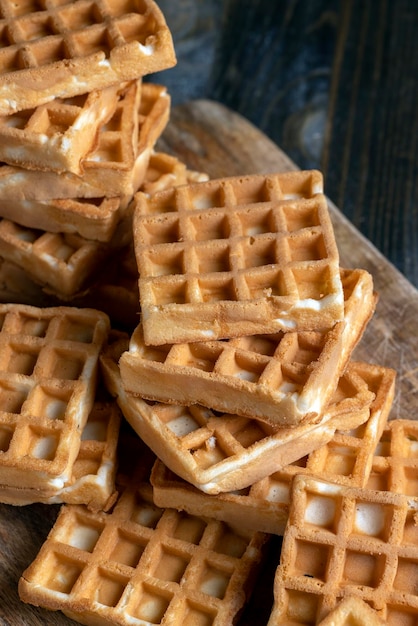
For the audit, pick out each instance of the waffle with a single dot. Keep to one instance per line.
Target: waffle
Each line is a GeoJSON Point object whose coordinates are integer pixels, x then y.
{"type": "Point", "coordinates": [395, 462]}
{"type": "Point", "coordinates": [142, 564]}
{"type": "Point", "coordinates": [92, 480]}
{"type": "Point", "coordinates": [352, 611]}
{"type": "Point", "coordinates": [283, 378]}
{"type": "Point", "coordinates": [264, 506]}
{"type": "Point", "coordinates": [62, 262]}
{"type": "Point", "coordinates": [96, 218]}
{"type": "Point", "coordinates": [345, 541]}
{"type": "Point", "coordinates": [57, 135]}
{"type": "Point", "coordinates": [64, 49]}
{"type": "Point", "coordinates": [236, 256]}
{"type": "Point", "coordinates": [218, 453]}
{"type": "Point", "coordinates": [92, 218]}
{"type": "Point", "coordinates": [117, 165]}
{"type": "Point", "coordinates": [48, 371]}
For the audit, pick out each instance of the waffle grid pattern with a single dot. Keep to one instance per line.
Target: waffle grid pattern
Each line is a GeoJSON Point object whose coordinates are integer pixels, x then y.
{"type": "Point", "coordinates": [117, 165]}
{"type": "Point", "coordinates": [107, 41]}
{"type": "Point", "coordinates": [93, 218]}
{"type": "Point", "coordinates": [345, 459]}
{"type": "Point", "coordinates": [395, 462]}
{"type": "Point", "coordinates": [47, 384]}
{"type": "Point", "coordinates": [56, 135]}
{"type": "Point", "coordinates": [211, 450]}
{"type": "Point", "coordinates": [283, 379]}
{"type": "Point", "coordinates": [143, 563]}
{"type": "Point", "coordinates": [345, 540]}
{"type": "Point", "coordinates": [92, 479]}
{"type": "Point", "coordinates": [238, 241]}
{"type": "Point", "coordinates": [64, 262]}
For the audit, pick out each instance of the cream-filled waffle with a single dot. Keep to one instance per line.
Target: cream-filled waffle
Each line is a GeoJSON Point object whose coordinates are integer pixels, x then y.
{"type": "Point", "coordinates": [283, 379]}
{"type": "Point", "coordinates": [218, 453]}
{"type": "Point", "coordinates": [60, 50]}
{"type": "Point", "coordinates": [142, 564]}
{"type": "Point", "coordinates": [92, 477]}
{"type": "Point", "coordinates": [346, 459]}
{"type": "Point", "coordinates": [345, 541]}
{"type": "Point", "coordinates": [59, 134]}
{"type": "Point", "coordinates": [236, 256]}
{"type": "Point", "coordinates": [115, 167]}
{"type": "Point", "coordinates": [48, 373]}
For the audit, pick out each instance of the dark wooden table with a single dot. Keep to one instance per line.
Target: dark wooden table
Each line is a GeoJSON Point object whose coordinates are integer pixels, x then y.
{"type": "Point", "coordinates": [333, 82]}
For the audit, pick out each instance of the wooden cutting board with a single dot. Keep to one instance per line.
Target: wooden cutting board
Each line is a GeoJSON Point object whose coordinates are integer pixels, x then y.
{"type": "Point", "coordinates": [210, 138]}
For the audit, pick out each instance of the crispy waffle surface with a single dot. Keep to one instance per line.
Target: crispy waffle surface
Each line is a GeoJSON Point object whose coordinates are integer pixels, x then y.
{"type": "Point", "coordinates": [284, 379]}
{"type": "Point", "coordinates": [236, 256]}
{"type": "Point", "coordinates": [64, 263]}
{"type": "Point", "coordinates": [57, 135]}
{"type": "Point", "coordinates": [97, 218]}
{"type": "Point", "coordinates": [92, 480]}
{"type": "Point", "coordinates": [395, 461]}
{"type": "Point", "coordinates": [346, 459]}
{"type": "Point", "coordinates": [48, 379]}
{"type": "Point", "coordinates": [142, 564]}
{"type": "Point", "coordinates": [222, 452]}
{"type": "Point", "coordinates": [115, 167]}
{"type": "Point", "coordinates": [62, 49]}
{"type": "Point", "coordinates": [345, 541]}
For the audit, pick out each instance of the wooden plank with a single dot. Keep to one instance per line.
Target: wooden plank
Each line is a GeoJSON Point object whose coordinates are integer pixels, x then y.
{"type": "Point", "coordinates": [209, 137]}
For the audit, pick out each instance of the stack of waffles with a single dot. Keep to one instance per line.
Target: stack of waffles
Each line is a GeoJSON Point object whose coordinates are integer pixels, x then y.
{"type": "Point", "coordinates": [212, 316]}
{"type": "Point", "coordinates": [78, 127]}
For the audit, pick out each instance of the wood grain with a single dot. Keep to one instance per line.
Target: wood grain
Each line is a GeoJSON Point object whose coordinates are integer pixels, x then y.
{"type": "Point", "coordinates": [209, 137]}
{"type": "Point", "coordinates": [333, 82]}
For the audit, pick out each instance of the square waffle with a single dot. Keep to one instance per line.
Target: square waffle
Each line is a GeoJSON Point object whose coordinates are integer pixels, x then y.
{"type": "Point", "coordinates": [92, 218]}
{"type": "Point", "coordinates": [236, 256]}
{"type": "Point", "coordinates": [346, 459]}
{"type": "Point", "coordinates": [395, 461]}
{"type": "Point", "coordinates": [283, 378]}
{"type": "Point", "coordinates": [56, 135]}
{"type": "Point", "coordinates": [345, 541]}
{"type": "Point", "coordinates": [62, 49]}
{"type": "Point", "coordinates": [139, 564]}
{"type": "Point", "coordinates": [115, 167]}
{"type": "Point", "coordinates": [220, 452]}
{"type": "Point", "coordinates": [64, 263]}
{"type": "Point", "coordinates": [92, 480]}
{"type": "Point", "coordinates": [48, 373]}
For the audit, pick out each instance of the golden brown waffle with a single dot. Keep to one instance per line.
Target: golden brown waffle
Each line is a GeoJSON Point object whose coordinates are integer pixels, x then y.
{"type": "Point", "coordinates": [62, 262]}
{"type": "Point", "coordinates": [92, 218]}
{"type": "Point", "coordinates": [57, 135]}
{"type": "Point", "coordinates": [142, 564]}
{"type": "Point", "coordinates": [395, 462]}
{"type": "Point", "coordinates": [346, 459]}
{"type": "Point", "coordinates": [283, 379]}
{"type": "Point", "coordinates": [92, 480]}
{"type": "Point", "coordinates": [96, 218]}
{"type": "Point", "coordinates": [345, 541]}
{"type": "Point", "coordinates": [116, 166]}
{"type": "Point", "coordinates": [236, 256]}
{"type": "Point", "coordinates": [62, 49]}
{"type": "Point", "coordinates": [218, 453]}
{"type": "Point", "coordinates": [352, 611]}
{"type": "Point", "coordinates": [48, 371]}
